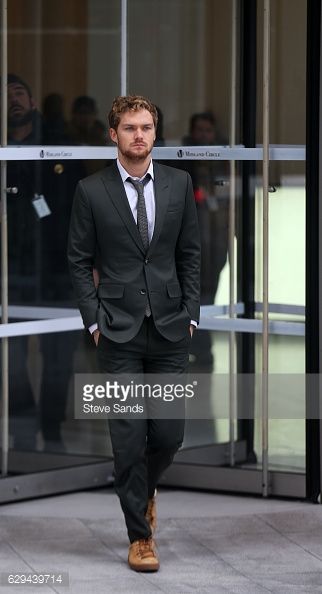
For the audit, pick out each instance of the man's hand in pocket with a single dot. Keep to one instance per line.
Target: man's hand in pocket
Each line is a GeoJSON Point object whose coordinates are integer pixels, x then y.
{"type": "Point", "coordinates": [96, 335]}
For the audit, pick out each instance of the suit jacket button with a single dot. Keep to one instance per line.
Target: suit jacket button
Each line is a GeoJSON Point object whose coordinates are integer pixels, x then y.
{"type": "Point", "coordinates": [146, 261]}
{"type": "Point", "coordinates": [143, 292]}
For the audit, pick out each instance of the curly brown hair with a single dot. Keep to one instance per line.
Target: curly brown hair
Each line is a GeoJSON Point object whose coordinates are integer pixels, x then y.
{"type": "Point", "coordinates": [130, 103]}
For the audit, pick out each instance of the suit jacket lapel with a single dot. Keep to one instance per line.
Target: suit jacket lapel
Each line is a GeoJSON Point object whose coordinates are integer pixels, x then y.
{"type": "Point", "coordinates": [162, 195]}
{"type": "Point", "coordinates": [114, 186]}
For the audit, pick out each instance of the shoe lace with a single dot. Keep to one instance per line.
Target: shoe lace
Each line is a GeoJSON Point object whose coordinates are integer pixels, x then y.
{"type": "Point", "coordinates": [145, 548]}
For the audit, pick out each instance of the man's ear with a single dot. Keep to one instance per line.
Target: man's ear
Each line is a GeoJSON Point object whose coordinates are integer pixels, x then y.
{"type": "Point", "coordinates": [32, 103]}
{"type": "Point", "coordinates": [113, 135]}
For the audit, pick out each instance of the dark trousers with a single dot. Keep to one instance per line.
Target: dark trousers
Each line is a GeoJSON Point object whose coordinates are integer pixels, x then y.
{"type": "Point", "coordinates": [142, 448]}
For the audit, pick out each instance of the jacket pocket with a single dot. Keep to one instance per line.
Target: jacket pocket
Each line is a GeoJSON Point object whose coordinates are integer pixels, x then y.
{"type": "Point", "coordinates": [110, 291]}
{"type": "Point", "coordinates": [174, 290]}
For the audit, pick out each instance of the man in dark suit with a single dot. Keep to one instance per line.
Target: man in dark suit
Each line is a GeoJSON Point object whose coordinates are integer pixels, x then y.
{"type": "Point", "coordinates": [38, 271]}
{"type": "Point", "coordinates": [137, 220]}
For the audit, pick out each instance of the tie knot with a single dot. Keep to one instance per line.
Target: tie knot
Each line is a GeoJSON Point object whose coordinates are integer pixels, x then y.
{"type": "Point", "coordinates": [139, 184]}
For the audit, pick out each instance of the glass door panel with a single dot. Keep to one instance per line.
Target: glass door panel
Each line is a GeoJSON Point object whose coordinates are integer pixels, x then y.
{"type": "Point", "coordinates": [66, 106]}
{"type": "Point", "coordinates": [52, 102]}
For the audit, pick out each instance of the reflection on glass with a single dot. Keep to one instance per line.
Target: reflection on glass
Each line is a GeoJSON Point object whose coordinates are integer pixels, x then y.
{"type": "Point", "coordinates": [41, 368]}
{"type": "Point", "coordinates": [38, 222]}
{"type": "Point", "coordinates": [52, 102]}
{"type": "Point", "coordinates": [41, 395]}
{"type": "Point", "coordinates": [288, 71]}
{"type": "Point", "coordinates": [286, 241]}
{"type": "Point", "coordinates": [286, 287]}
{"type": "Point", "coordinates": [211, 190]}
{"type": "Point", "coordinates": [195, 38]}
{"type": "Point", "coordinates": [45, 41]}
{"type": "Point", "coordinates": [286, 436]}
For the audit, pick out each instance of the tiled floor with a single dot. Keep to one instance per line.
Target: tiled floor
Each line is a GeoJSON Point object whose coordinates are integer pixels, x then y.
{"type": "Point", "coordinates": [207, 543]}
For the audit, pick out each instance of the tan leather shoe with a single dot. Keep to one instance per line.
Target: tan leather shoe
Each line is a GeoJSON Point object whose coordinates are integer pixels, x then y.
{"type": "Point", "coordinates": [151, 512]}
{"type": "Point", "coordinates": [143, 556]}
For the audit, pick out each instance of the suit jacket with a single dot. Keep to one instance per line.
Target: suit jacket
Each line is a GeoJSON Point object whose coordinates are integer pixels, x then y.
{"type": "Point", "coordinates": [103, 230]}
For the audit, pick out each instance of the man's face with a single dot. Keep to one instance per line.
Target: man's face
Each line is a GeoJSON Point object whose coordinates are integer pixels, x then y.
{"type": "Point", "coordinates": [135, 135]}
{"type": "Point", "coordinates": [203, 132]}
{"type": "Point", "coordinates": [20, 105]}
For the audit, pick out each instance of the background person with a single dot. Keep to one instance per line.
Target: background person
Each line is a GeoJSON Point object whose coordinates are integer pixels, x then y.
{"type": "Point", "coordinates": [211, 191]}
{"type": "Point", "coordinates": [86, 129]}
{"type": "Point", "coordinates": [38, 269]}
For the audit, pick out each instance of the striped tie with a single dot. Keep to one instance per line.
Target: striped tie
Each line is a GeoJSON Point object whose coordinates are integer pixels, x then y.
{"type": "Point", "coordinates": [142, 219]}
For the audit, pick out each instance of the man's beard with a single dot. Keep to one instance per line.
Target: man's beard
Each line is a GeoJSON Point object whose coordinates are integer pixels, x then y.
{"type": "Point", "coordinates": [17, 121]}
{"type": "Point", "coordinates": [136, 157]}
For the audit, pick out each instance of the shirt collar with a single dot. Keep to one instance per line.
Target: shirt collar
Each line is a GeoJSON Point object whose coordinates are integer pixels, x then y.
{"type": "Point", "coordinates": [124, 174]}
